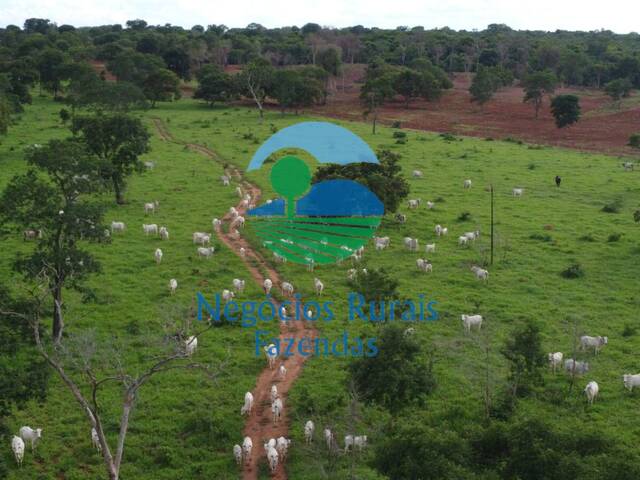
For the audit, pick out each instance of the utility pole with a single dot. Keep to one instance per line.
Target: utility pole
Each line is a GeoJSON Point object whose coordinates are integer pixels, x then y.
{"type": "Point", "coordinates": [491, 263]}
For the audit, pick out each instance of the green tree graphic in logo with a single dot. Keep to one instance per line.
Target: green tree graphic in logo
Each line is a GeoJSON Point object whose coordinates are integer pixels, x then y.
{"type": "Point", "coordinates": [291, 178]}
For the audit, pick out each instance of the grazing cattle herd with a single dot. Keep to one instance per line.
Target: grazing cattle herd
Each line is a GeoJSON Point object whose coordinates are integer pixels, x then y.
{"type": "Point", "coordinates": [276, 449]}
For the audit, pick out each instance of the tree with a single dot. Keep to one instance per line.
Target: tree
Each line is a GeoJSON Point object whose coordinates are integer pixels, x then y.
{"type": "Point", "coordinates": [565, 109]}
{"type": "Point", "coordinates": [161, 85]}
{"type": "Point", "coordinates": [618, 89]}
{"type": "Point", "coordinates": [64, 115]}
{"type": "Point", "coordinates": [374, 93]}
{"type": "Point", "coordinates": [85, 368]}
{"type": "Point", "coordinates": [214, 85]}
{"type": "Point", "coordinates": [377, 286]}
{"type": "Point", "coordinates": [51, 68]}
{"type": "Point", "coordinates": [384, 179]}
{"type": "Point", "coordinates": [407, 83]}
{"type": "Point", "coordinates": [523, 350]}
{"type": "Point", "coordinates": [536, 86]}
{"type": "Point", "coordinates": [5, 115]}
{"type": "Point", "coordinates": [483, 86]}
{"type": "Point", "coordinates": [89, 91]}
{"type": "Point", "coordinates": [256, 80]}
{"type": "Point", "coordinates": [53, 197]}
{"type": "Point", "coordinates": [294, 90]}
{"type": "Point", "coordinates": [636, 216]}
{"type": "Point", "coordinates": [398, 375]}
{"type": "Point", "coordinates": [118, 139]}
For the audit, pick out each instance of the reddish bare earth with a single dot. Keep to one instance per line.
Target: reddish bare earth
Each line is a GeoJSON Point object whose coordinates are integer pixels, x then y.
{"type": "Point", "coordinates": [259, 424]}
{"type": "Point", "coordinates": [602, 128]}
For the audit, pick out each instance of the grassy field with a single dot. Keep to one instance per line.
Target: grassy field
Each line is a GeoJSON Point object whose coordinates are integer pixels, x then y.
{"type": "Point", "coordinates": [184, 425]}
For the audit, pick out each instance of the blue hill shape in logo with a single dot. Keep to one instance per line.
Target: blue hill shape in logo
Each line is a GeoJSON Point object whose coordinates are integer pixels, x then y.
{"type": "Point", "coordinates": [333, 220]}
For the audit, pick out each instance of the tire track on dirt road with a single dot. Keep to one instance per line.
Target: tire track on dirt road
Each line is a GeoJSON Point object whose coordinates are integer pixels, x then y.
{"type": "Point", "coordinates": [258, 425]}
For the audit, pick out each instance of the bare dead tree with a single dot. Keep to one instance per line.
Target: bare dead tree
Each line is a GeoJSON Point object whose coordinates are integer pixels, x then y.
{"type": "Point", "coordinates": [77, 357]}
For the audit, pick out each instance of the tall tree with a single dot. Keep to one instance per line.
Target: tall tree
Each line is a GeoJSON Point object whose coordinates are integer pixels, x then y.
{"type": "Point", "coordinates": [483, 86]}
{"type": "Point", "coordinates": [565, 110]}
{"type": "Point", "coordinates": [256, 80]}
{"type": "Point", "coordinates": [214, 85]}
{"type": "Point", "coordinates": [374, 93]}
{"type": "Point", "coordinates": [117, 139]}
{"type": "Point", "coordinates": [161, 85]}
{"type": "Point", "coordinates": [536, 86]}
{"type": "Point", "coordinates": [54, 199]}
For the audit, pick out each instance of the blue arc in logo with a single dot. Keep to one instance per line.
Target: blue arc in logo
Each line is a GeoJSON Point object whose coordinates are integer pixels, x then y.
{"type": "Point", "coordinates": [327, 142]}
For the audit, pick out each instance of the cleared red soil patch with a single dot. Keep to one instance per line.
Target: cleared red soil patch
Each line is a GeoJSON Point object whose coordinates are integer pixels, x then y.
{"type": "Point", "coordinates": [601, 128]}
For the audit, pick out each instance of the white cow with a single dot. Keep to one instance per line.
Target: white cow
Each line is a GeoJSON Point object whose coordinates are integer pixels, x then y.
{"type": "Point", "coordinates": [469, 321]}
{"type": "Point", "coordinates": [217, 223]}
{"type": "Point", "coordinates": [309, 428]}
{"type": "Point", "coordinates": [414, 203]}
{"type": "Point", "coordinates": [462, 240]}
{"type": "Point", "coordinates": [430, 248]}
{"type": "Point", "coordinates": [328, 438]}
{"type": "Point", "coordinates": [628, 166]}
{"type": "Point", "coordinates": [360, 442]}
{"type": "Point", "coordinates": [411, 243]}
{"type": "Point", "coordinates": [467, 183]}
{"type": "Point", "coordinates": [472, 235]}
{"type": "Point", "coordinates": [205, 252]}
{"type": "Point", "coordinates": [173, 285]}
{"type": "Point", "coordinates": [203, 239]}
{"type": "Point", "coordinates": [282, 372]}
{"type": "Point", "coordinates": [424, 265]}
{"type": "Point", "coordinates": [596, 342]}
{"type": "Point", "coordinates": [190, 345]}
{"type": "Point", "coordinates": [272, 354]}
{"type": "Point", "coordinates": [578, 367]}
{"type": "Point", "coordinates": [151, 228]}
{"type": "Point", "coordinates": [248, 404]}
{"type": "Point", "coordinates": [287, 288]}
{"type": "Point", "coordinates": [276, 409]}
{"type": "Point", "coordinates": [151, 207]}
{"type": "Point", "coordinates": [272, 457]}
{"type": "Point", "coordinates": [417, 174]}
{"type": "Point", "coordinates": [481, 273]}
{"type": "Point", "coordinates": [631, 381]}
{"type": "Point", "coordinates": [381, 242]}
{"type": "Point", "coordinates": [118, 227]}
{"type": "Point", "coordinates": [227, 295]}
{"type": "Point", "coordinates": [17, 445]}
{"type": "Point", "coordinates": [243, 252]}
{"type": "Point", "coordinates": [247, 446]}
{"type": "Point", "coordinates": [197, 237]}
{"type": "Point", "coordinates": [555, 359]}
{"type": "Point", "coordinates": [318, 285]}
{"type": "Point", "coordinates": [237, 453]}
{"type": "Point", "coordinates": [158, 255]}
{"type": "Point", "coordinates": [282, 446]}
{"type": "Point", "coordinates": [348, 442]}
{"type": "Point", "coordinates": [430, 205]}
{"type": "Point", "coordinates": [225, 180]}
{"type": "Point", "coordinates": [233, 212]}
{"type": "Point", "coordinates": [164, 233]}
{"type": "Point", "coordinates": [274, 392]}
{"type": "Point", "coordinates": [266, 285]}
{"type": "Point", "coordinates": [239, 191]}
{"type": "Point", "coordinates": [29, 434]}
{"type": "Point", "coordinates": [238, 222]}
{"type": "Point", "coordinates": [591, 390]}
{"type": "Point", "coordinates": [517, 192]}
{"type": "Point", "coordinates": [238, 285]}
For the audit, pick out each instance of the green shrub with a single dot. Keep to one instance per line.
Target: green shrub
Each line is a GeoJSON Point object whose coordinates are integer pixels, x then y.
{"type": "Point", "coordinates": [396, 124]}
{"type": "Point", "coordinates": [448, 137]}
{"type": "Point", "coordinates": [613, 207]}
{"type": "Point", "coordinates": [542, 238]}
{"type": "Point", "coordinates": [573, 271]}
{"type": "Point", "coordinates": [614, 237]}
{"type": "Point", "coordinates": [587, 238]}
{"type": "Point", "coordinates": [531, 166]}
{"type": "Point", "coordinates": [634, 140]}
{"type": "Point", "coordinates": [399, 135]}
{"type": "Point", "coordinates": [464, 217]}
{"type": "Point", "coordinates": [629, 330]}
